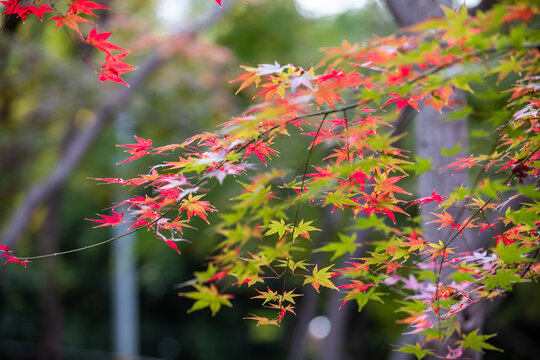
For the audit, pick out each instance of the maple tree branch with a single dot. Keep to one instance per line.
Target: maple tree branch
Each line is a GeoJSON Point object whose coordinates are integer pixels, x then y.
{"type": "Point", "coordinates": [421, 76]}
{"type": "Point", "coordinates": [81, 142]}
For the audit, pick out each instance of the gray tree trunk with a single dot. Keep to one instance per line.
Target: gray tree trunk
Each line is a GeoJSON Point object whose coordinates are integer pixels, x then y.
{"type": "Point", "coordinates": [433, 134]}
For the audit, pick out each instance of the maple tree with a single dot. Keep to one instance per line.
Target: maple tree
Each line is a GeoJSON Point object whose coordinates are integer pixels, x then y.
{"type": "Point", "coordinates": [344, 107]}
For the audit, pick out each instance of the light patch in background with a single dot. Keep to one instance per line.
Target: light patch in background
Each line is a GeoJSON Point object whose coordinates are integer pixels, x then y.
{"type": "Point", "coordinates": [320, 8]}
{"type": "Point", "coordinates": [170, 13]}
{"type": "Point", "coordinates": [319, 327]}
{"type": "Point", "coordinates": [467, 3]}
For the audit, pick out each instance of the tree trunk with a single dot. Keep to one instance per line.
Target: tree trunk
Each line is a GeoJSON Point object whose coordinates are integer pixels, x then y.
{"type": "Point", "coordinates": [433, 134]}
{"type": "Point", "coordinates": [52, 312]}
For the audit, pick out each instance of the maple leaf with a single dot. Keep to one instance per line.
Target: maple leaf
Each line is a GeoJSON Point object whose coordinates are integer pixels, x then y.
{"type": "Point", "coordinates": [114, 67]}
{"type": "Point", "coordinates": [11, 258]}
{"type": "Point", "coordinates": [278, 227]}
{"type": "Point", "coordinates": [434, 197]}
{"type": "Point", "coordinates": [138, 150]}
{"type": "Point", "coordinates": [445, 219]}
{"type": "Point", "coordinates": [85, 7]}
{"type": "Point", "coordinates": [303, 229]}
{"type": "Point", "coordinates": [260, 149]}
{"type": "Point", "coordinates": [39, 11]}
{"type": "Point", "coordinates": [12, 6]}
{"type": "Point", "coordinates": [417, 350]}
{"type": "Point", "coordinates": [266, 295]}
{"type": "Point", "coordinates": [322, 173]}
{"type": "Point", "coordinates": [477, 342]}
{"type": "Point", "coordinates": [193, 206]}
{"type": "Point", "coordinates": [356, 268]}
{"type": "Point", "coordinates": [282, 310]}
{"type": "Point", "coordinates": [172, 244]}
{"type": "Point", "coordinates": [346, 244]}
{"type": "Point", "coordinates": [108, 220]}
{"type": "Point", "coordinates": [210, 297]}
{"type": "Point", "coordinates": [247, 79]}
{"type": "Point", "coordinates": [289, 296]}
{"type": "Point", "coordinates": [390, 266]}
{"type": "Point", "coordinates": [71, 20]}
{"type": "Point", "coordinates": [521, 11]}
{"type": "Point", "coordinates": [415, 243]}
{"type": "Point", "coordinates": [462, 163]}
{"type": "Point", "coordinates": [262, 320]}
{"type": "Point", "coordinates": [320, 278]}
{"type": "Point", "coordinates": [401, 102]}
{"type": "Point", "coordinates": [356, 285]}
{"type": "Point", "coordinates": [98, 40]}
{"type": "Point", "coordinates": [327, 94]}
{"type": "Point", "coordinates": [438, 250]}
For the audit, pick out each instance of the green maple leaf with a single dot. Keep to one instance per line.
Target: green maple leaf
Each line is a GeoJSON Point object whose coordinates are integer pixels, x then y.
{"type": "Point", "coordinates": [293, 265]}
{"type": "Point", "coordinates": [321, 278]}
{"type": "Point", "coordinates": [416, 350]}
{"type": "Point", "coordinates": [303, 229]}
{"type": "Point", "coordinates": [207, 297]}
{"type": "Point", "coordinates": [362, 298]}
{"type": "Point", "coordinates": [511, 253]}
{"type": "Point", "coordinates": [267, 296]}
{"type": "Point", "coordinates": [477, 342]}
{"type": "Point", "coordinates": [346, 244]}
{"type": "Point", "coordinates": [278, 227]}
{"type": "Point", "coordinates": [503, 279]}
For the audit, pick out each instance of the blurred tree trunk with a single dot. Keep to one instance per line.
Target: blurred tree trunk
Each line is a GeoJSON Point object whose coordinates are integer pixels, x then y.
{"type": "Point", "coordinates": [52, 312]}
{"type": "Point", "coordinates": [433, 134]}
{"type": "Point", "coordinates": [308, 304]}
{"type": "Point", "coordinates": [333, 347]}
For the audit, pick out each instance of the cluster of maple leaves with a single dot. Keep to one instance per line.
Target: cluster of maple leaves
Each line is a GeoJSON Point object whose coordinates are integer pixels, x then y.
{"type": "Point", "coordinates": [343, 108]}
{"type": "Point", "coordinates": [113, 66]}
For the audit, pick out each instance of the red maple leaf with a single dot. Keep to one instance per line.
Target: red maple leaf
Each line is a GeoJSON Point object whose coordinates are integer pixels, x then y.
{"type": "Point", "coordinates": [356, 267]}
{"type": "Point", "coordinates": [401, 102]}
{"type": "Point", "coordinates": [390, 266]}
{"type": "Point", "coordinates": [98, 40]}
{"type": "Point", "coordinates": [434, 197]}
{"type": "Point", "coordinates": [356, 286]}
{"type": "Point", "coordinates": [260, 149]}
{"type": "Point", "coordinates": [85, 7]}
{"type": "Point", "coordinates": [172, 244]}
{"type": "Point", "coordinates": [523, 11]}
{"type": "Point", "coordinates": [107, 220]}
{"type": "Point", "coordinates": [114, 67]}
{"type": "Point", "coordinates": [39, 11]}
{"type": "Point", "coordinates": [11, 258]}
{"type": "Point", "coordinates": [137, 150]}
{"type": "Point", "coordinates": [12, 6]}
{"type": "Point", "coordinates": [322, 173]}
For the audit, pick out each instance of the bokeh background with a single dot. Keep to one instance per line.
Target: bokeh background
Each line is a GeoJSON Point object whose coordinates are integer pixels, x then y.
{"type": "Point", "coordinates": [119, 301]}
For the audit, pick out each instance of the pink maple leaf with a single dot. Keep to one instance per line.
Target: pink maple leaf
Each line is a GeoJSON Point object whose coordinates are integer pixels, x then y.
{"type": "Point", "coordinates": [107, 220]}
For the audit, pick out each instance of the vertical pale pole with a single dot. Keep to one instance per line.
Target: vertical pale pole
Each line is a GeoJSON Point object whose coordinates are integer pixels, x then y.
{"type": "Point", "coordinates": [124, 273]}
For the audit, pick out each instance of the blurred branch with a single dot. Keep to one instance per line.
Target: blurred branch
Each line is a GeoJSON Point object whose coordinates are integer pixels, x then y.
{"type": "Point", "coordinates": [81, 142]}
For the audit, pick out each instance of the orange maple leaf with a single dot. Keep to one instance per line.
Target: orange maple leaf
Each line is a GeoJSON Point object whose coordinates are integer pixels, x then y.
{"type": "Point", "coordinates": [193, 206]}
{"type": "Point", "coordinates": [445, 219]}
{"type": "Point", "coordinates": [71, 20]}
